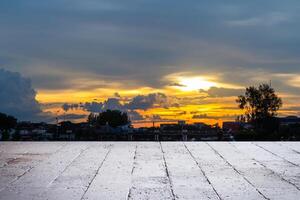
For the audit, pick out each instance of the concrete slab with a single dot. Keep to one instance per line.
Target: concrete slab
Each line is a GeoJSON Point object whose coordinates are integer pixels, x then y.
{"type": "Point", "coordinates": [149, 170]}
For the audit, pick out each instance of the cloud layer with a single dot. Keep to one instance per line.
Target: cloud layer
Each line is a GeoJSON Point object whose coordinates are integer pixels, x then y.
{"type": "Point", "coordinates": [138, 42]}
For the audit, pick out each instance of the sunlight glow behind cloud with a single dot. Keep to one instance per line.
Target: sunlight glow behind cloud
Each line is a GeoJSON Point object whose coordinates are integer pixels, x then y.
{"type": "Point", "coordinates": [195, 83]}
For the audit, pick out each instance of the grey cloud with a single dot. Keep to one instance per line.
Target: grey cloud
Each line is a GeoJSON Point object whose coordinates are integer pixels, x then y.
{"type": "Point", "coordinates": [223, 92]}
{"type": "Point", "coordinates": [66, 107]}
{"type": "Point", "coordinates": [177, 85]}
{"type": "Point", "coordinates": [269, 19]}
{"type": "Point", "coordinates": [204, 116]}
{"type": "Point", "coordinates": [229, 107]}
{"type": "Point", "coordinates": [140, 102]}
{"type": "Point", "coordinates": [175, 105]}
{"type": "Point", "coordinates": [17, 97]}
{"type": "Point", "coordinates": [50, 105]}
{"type": "Point", "coordinates": [247, 77]}
{"type": "Point", "coordinates": [88, 106]}
{"type": "Point", "coordinates": [156, 117]}
{"type": "Point", "coordinates": [112, 104]}
{"type": "Point", "coordinates": [145, 102]}
{"type": "Point", "coordinates": [182, 113]}
{"type": "Point", "coordinates": [134, 115]}
{"type": "Point", "coordinates": [92, 106]}
{"type": "Point", "coordinates": [70, 117]}
{"type": "Point", "coordinates": [292, 108]}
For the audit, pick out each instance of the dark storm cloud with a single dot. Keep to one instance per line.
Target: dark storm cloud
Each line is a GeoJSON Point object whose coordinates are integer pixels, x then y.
{"type": "Point", "coordinates": [17, 97]}
{"type": "Point", "coordinates": [146, 40]}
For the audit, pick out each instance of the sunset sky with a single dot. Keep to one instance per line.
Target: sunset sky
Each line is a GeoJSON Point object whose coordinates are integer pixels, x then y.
{"type": "Point", "coordinates": [157, 60]}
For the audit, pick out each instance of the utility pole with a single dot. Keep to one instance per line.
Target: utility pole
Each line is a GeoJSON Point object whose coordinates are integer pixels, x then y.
{"type": "Point", "coordinates": [57, 124]}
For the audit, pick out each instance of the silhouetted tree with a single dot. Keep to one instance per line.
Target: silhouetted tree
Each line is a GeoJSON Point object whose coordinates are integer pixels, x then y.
{"type": "Point", "coordinates": [260, 105]}
{"type": "Point", "coordinates": [66, 124]}
{"type": "Point", "coordinates": [113, 118]}
{"type": "Point", "coordinates": [7, 122]}
{"type": "Point", "coordinates": [16, 136]}
{"type": "Point", "coordinates": [92, 119]}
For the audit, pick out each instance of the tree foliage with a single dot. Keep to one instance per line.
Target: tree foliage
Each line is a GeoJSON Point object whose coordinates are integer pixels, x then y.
{"type": "Point", "coordinates": [259, 104]}
{"type": "Point", "coordinates": [113, 118]}
{"type": "Point", "coordinates": [92, 119]}
{"type": "Point", "coordinates": [7, 122]}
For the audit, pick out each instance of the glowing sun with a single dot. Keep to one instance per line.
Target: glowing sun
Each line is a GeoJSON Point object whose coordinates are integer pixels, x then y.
{"type": "Point", "coordinates": [195, 83]}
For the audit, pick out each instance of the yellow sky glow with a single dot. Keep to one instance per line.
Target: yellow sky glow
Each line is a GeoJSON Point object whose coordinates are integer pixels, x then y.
{"type": "Point", "coordinates": [194, 105]}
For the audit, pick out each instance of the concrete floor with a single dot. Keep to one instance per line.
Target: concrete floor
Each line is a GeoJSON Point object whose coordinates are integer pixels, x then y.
{"type": "Point", "coordinates": [149, 170]}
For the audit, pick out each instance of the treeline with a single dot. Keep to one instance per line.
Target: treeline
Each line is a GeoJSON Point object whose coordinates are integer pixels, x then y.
{"type": "Point", "coordinates": [112, 118]}
{"type": "Point", "coordinates": [7, 123]}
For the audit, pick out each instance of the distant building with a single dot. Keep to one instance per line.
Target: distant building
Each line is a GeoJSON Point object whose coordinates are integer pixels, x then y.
{"type": "Point", "coordinates": [181, 122]}
{"type": "Point", "coordinates": [232, 126]}
{"type": "Point", "coordinates": [172, 126]}
{"type": "Point", "coordinates": [67, 135]}
{"type": "Point", "coordinates": [199, 125]}
{"type": "Point", "coordinates": [9, 132]}
{"type": "Point", "coordinates": [25, 134]}
{"type": "Point", "coordinates": [289, 120]}
{"type": "Point", "coordinates": [39, 131]}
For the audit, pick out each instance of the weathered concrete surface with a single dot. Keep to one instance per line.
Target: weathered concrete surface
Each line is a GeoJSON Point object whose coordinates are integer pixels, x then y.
{"type": "Point", "coordinates": [149, 170]}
